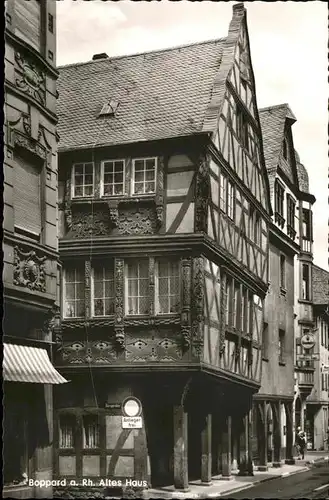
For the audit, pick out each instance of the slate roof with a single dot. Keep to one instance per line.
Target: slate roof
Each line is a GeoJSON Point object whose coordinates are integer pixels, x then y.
{"type": "Point", "coordinates": [320, 285]}
{"type": "Point", "coordinates": [273, 121]}
{"type": "Point", "coordinates": [162, 94]}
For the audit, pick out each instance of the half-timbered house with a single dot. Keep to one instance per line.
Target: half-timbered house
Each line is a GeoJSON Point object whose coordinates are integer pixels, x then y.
{"type": "Point", "coordinates": [30, 246]}
{"type": "Point", "coordinates": [274, 420]}
{"type": "Point", "coordinates": [164, 213]}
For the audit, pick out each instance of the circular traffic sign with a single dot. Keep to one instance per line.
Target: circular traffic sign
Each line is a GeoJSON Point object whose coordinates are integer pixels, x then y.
{"type": "Point", "coordinates": [131, 407]}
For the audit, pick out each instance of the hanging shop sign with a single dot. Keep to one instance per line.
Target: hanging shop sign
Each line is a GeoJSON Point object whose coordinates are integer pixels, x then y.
{"type": "Point", "coordinates": [308, 341]}
{"type": "Point", "coordinates": [131, 409]}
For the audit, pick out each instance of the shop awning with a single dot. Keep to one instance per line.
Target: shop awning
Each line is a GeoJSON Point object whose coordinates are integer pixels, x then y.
{"type": "Point", "coordinates": [29, 364]}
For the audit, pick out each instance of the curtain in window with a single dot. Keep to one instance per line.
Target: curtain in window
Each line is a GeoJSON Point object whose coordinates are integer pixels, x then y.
{"type": "Point", "coordinates": [138, 287]}
{"type": "Point", "coordinates": [90, 432]}
{"type": "Point", "coordinates": [168, 287]}
{"type": "Point", "coordinates": [103, 291]}
{"type": "Point", "coordinates": [74, 293]}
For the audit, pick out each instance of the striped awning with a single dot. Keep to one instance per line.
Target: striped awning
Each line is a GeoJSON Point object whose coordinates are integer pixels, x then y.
{"type": "Point", "coordinates": [29, 364]}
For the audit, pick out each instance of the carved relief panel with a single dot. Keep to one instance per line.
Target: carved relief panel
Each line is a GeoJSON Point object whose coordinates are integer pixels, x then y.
{"type": "Point", "coordinates": [30, 78]}
{"type": "Point", "coordinates": [29, 269]}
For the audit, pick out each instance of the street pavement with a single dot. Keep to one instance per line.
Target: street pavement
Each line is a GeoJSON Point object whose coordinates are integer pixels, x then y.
{"type": "Point", "coordinates": [312, 484]}
{"type": "Point", "coordinates": [285, 482]}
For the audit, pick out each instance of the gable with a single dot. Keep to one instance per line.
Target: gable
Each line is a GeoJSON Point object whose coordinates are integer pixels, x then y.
{"type": "Point", "coordinates": [233, 108]}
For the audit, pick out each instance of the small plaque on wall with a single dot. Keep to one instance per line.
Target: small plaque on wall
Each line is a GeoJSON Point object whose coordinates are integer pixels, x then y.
{"type": "Point", "coordinates": [113, 406]}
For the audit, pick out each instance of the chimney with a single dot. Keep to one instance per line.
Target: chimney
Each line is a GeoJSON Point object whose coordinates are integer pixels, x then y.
{"type": "Point", "coordinates": [97, 57]}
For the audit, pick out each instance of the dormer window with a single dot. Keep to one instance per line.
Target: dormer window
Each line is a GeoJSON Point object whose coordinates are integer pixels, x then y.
{"type": "Point", "coordinates": [109, 108]}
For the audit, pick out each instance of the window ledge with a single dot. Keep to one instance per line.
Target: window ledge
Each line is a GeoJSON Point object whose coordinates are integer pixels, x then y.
{"type": "Point", "coordinates": [305, 301]}
{"type": "Point", "coordinates": [282, 363]}
{"type": "Point", "coordinates": [265, 358]}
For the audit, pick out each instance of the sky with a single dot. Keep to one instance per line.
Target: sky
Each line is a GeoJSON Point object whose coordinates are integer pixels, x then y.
{"type": "Point", "coordinates": [288, 43]}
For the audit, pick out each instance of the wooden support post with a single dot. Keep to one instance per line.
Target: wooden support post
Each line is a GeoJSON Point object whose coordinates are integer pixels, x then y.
{"type": "Point", "coordinates": [262, 436]}
{"type": "Point", "coordinates": [289, 433]}
{"type": "Point", "coordinates": [277, 434]}
{"type": "Point", "coordinates": [180, 448]}
{"type": "Point", "coordinates": [206, 441]}
{"type": "Point", "coordinates": [226, 449]}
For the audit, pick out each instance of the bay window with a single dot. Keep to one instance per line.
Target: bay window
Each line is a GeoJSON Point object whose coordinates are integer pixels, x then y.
{"type": "Point", "coordinates": [103, 290]}
{"type": "Point", "coordinates": [113, 173]}
{"type": "Point", "coordinates": [74, 292]}
{"type": "Point", "coordinates": [144, 176]}
{"type": "Point", "coordinates": [168, 291]}
{"type": "Point", "coordinates": [82, 180]}
{"type": "Point", "coordinates": [137, 287]}
{"type": "Point", "coordinates": [159, 295]}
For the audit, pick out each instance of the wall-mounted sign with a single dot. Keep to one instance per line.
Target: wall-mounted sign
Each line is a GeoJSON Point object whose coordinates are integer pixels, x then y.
{"type": "Point", "coordinates": [308, 341]}
{"type": "Point", "coordinates": [131, 409]}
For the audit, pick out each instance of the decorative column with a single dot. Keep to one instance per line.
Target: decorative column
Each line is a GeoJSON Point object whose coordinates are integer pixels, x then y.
{"type": "Point", "coordinates": [226, 449]}
{"type": "Point", "coordinates": [151, 285]}
{"type": "Point", "coordinates": [289, 433]}
{"type": "Point", "coordinates": [180, 448]}
{"type": "Point", "coordinates": [186, 265]}
{"type": "Point", "coordinates": [206, 461]}
{"type": "Point", "coordinates": [202, 194]}
{"type": "Point", "coordinates": [119, 331]}
{"type": "Point", "coordinates": [277, 434]}
{"type": "Point", "coordinates": [223, 300]}
{"type": "Point", "coordinates": [198, 307]}
{"type": "Point", "coordinates": [87, 288]}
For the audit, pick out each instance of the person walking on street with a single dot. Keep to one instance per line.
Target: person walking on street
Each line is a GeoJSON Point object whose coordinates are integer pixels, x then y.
{"type": "Point", "coordinates": [301, 443]}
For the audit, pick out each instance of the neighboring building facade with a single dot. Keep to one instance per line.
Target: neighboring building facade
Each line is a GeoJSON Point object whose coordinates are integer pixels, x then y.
{"type": "Point", "coordinates": [273, 405]}
{"type": "Point", "coordinates": [320, 286]}
{"type": "Point", "coordinates": [164, 213]}
{"type": "Point", "coordinates": [30, 244]}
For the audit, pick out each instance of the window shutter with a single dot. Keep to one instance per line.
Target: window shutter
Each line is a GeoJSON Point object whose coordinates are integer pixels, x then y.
{"type": "Point", "coordinates": [27, 204]}
{"type": "Point", "coordinates": [28, 21]}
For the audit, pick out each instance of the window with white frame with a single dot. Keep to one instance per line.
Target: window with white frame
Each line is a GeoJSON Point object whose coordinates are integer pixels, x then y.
{"type": "Point", "coordinates": [137, 287]}
{"type": "Point", "coordinates": [74, 292]}
{"type": "Point", "coordinates": [113, 173]}
{"type": "Point", "coordinates": [103, 290]}
{"type": "Point", "coordinates": [167, 290]}
{"type": "Point", "coordinates": [144, 176]}
{"type": "Point", "coordinates": [222, 192]}
{"type": "Point", "coordinates": [82, 180]}
{"type": "Point", "coordinates": [230, 199]}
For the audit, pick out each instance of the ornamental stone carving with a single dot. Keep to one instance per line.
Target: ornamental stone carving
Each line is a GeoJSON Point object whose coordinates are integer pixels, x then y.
{"type": "Point", "coordinates": [99, 352]}
{"type": "Point", "coordinates": [159, 203]}
{"type": "Point", "coordinates": [202, 193]}
{"type": "Point", "coordinates": [29, 270]}
{"type": "Point", "coordinates": [152, 348]}
{"type": "Point", "coordinates": [29, 78]}
{"type": "Point", "coordinates": [87, 223]}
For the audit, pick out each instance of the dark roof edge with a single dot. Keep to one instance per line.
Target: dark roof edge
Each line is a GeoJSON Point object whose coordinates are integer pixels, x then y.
{"type": "Point", "coordinates": [108, 145]}
{"type": "Point", "coordinates": [167, 49]}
